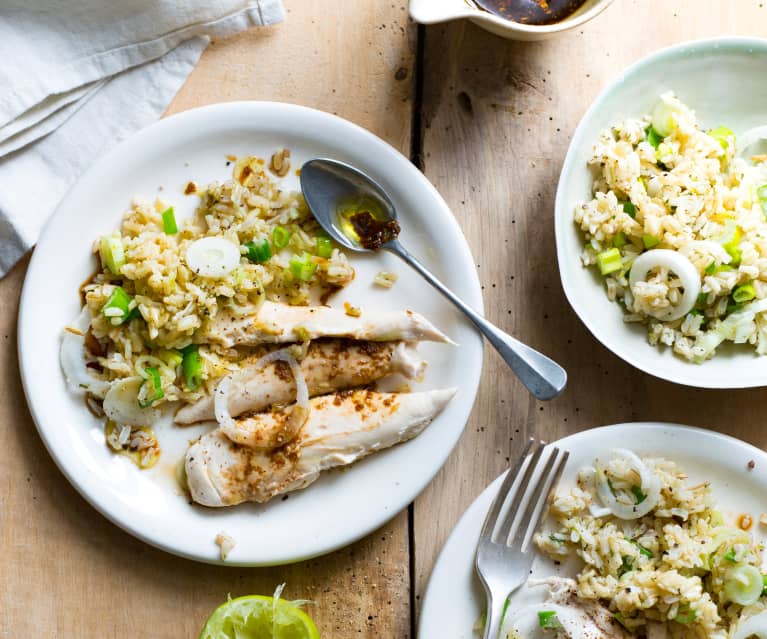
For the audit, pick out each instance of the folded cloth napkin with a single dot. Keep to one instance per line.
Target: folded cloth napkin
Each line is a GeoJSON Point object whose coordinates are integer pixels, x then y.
{"type": "Point", "coordinates": [77, 76]}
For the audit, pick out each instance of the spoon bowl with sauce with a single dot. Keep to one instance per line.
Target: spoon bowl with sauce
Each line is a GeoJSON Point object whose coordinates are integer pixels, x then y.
{"type": "Point", "coordinates": [358, 214]}
{"type": "Point", "coordinates": [513, 19]}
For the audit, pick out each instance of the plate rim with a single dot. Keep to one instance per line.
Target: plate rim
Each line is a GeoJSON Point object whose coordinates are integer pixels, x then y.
{"type": "Point", "coordinates": [562, 222]}
{"type": "Point", "coordinates": [474, 299]}
{"type": "Point", "coordinates": [494, 485]}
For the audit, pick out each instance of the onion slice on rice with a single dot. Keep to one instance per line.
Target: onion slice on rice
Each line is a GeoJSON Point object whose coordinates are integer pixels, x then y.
{"type": "Point", "coordinates": [121, 404]}
{"type": "Point", "coordinates": [299, 412]}
{"type": "Point", "coordinates": [649, 485]}
{"type": "Point", "coordinates": [755, 626]}
{"type": "Point", "coordinates": [678, 264]}
{"type": "Point", "coordinates": [72, 358]}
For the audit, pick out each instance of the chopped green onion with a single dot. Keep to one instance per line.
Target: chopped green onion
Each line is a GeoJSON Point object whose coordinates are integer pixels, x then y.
{"type": "Point", "coordinates": [112, 253]}
{"type": "Point", "coordinates": [722, 134]}
{"type": "Point", "coordinates": [730, 241]}
{"type": "Point", "coordinates": [280, 236]}
{"type": "Point", "coordinates": [716, 518]}
{"type": "Point", "coordinates": [609, 261]}
{"type": "Point", "coordinates": [644, 551]}
{"type": "Point", "coordinates": [744, 293]}
{"type": "Point", "coordinates": [761, 193]}
{"type": "Point", "coordinates": [649, 241]}
{"type": "Point", "coordinates": [258, 253]}
{"type": "Point", "coordinates": [117, 308]}
{"type": "Point", "coordinates": [630, 209]}
{"type": "Point", "coordinates": [303, 267]}
{"type": "Point", "coordinates": [192, 366]}
{"type": "Point", "coordinates": [619, 240]}
{"type": "Point", "coordinates": [685, 615]}
{"type": "Point", "coordinates": [637, 492]}
{"type": "Point", "coordinates": [764, 585]}
{"type": "Point", "coordinates": [743, 584]}
{"type": "Point", "coordinates": [155, 391]}
{"type": "Point", "coordinates": [621, 620]}
{"type": "Point", "coordinates": [324, 247]}
{"type": "Point", "coordinates": [169, 221]}
{"type": "Point", "coordinates": [711, 268]}
{"type": "Point", "coordinates": [730, 556]}
{"type": "Point", "coordinates": [172, 358]}
{"type": "Point", "coordinates": [548, 619]}
{"type": "Point", "coordinates": [560, 539]}
{"type": "Point", "coordinates": [625, 565]}
{"type": "Point", "coordinates": [701, 299]}
{"type": "Point", "coordinates": [653, 137]}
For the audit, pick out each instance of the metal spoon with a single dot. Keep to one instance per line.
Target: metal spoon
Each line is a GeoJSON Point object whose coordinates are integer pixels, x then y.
{"type": "Point", "coordinates": [327, 184]}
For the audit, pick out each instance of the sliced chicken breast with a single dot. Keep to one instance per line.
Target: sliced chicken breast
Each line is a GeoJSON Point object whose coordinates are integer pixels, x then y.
{"type": "Point", "coordinates": [340, 429]}
{"type": "Point", "coordinates": [278, 323]}
{"type": "Point", "coordinates": [329, 366]}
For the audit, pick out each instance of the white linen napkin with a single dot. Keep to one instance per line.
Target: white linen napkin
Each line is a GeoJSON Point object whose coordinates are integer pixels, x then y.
{"type": "Point", "coordinates": [77, 76]}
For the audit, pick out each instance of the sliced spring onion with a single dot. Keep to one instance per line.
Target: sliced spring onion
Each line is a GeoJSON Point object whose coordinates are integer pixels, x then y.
{"type": "Point", "coordinates": [258, 253]}
{"type": "Point", "coordinates": [685, 615]}
{"type": "Point", "coordinates": [112, 253]}
{"type": "Point", "coordinates": [711, 268]}
{"type": "Point", "coordinates": [730, 241]}
{"type": "Point", "coordinates": [280, 236]}
{"type": "Point", "coordinates": [650, 241]}
{"type": "Point", "coordinates": [637, 492]}
{"type": "Point", "coordinates": [117, 308]}
{"type": "Point", "coordinates": [121, 405]}
{"type": "Point", "coordinates": [764, 585]}
{"type": "Point", "coordinates": [626, 565]}
{"type": "Point", "coordinates": [151, 389]}
{"type": "Point", "coordinates": [642, 550]}
{"type": "Point", "coordinates": [621, 506]}
{"type": "Point", "coordinates": [730, 556]}
{"type": "Point", "coordinates": [723, 135]}
{"type": "Point", "coordinates": [684, 270]}
{"type": "Point", "coordinates": [324, 247]}
{"type": "Point", "coordinates": [303, 267]}
{"type": "Point", "coordinates": [761, 193]}
{"type": "Point", "coordinates": [622, 621]}
{"type": "Point", "coordinates": [630, 209]}
{"type": "Point", "coordinates": [653, 137]}
{"type": "Point", "coordinates": [609, 261]}
{"type": "Point", "coordinates": [212, 256]}
{"type": "Point", "coordinates": [619, 240]}
{"type": "Point", "coordinates": [191, 364]}
{"type": "Point", "coordinates": [743, 584]}
{"type": "Point", "coordinates": [744, 293]}
{"type": "Point", "coordinates": [169, 225]}
{"type": "Point", "coordinates": [548, 619]}
{"type": "Point", "coordinates": [172, 358]}
{"type": "Point", "coordinates": [666, 113]}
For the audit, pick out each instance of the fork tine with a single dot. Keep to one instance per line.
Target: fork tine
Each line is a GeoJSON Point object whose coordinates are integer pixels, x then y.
{"type": "Point", "coordinates": [492, 515]}
{"type": "Point", "coordinates": [546, 484]}
{"type": "Point", "coordinates": [519, 494]}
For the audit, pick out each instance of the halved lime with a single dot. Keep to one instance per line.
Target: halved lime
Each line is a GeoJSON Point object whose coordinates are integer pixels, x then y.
{"type": "Point", "coordinates": [258, 617]}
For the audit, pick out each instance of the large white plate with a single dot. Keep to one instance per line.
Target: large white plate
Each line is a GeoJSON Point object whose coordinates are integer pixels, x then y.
{"type": "Point", "coordinates": [454, 598]}
{"type": "Point", "coordinates": [722, 80]}
{"type": "Point", "coordinates": [342, 506]}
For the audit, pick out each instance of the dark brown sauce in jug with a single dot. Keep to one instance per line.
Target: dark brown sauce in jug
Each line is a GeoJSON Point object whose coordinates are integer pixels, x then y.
{"type": "Point", "coordinates": [531, 11]}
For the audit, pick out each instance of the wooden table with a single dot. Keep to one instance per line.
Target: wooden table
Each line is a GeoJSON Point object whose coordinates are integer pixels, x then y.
{"type": "Point", "coordinates": [489, 122]}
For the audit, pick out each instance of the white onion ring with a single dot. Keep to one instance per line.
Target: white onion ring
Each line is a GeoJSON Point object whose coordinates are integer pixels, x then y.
{"type": "Point", "coordinates": [121, 404]}
{"type": "Point", "coordinates": [213, 257]}
{"type": "Point", "coordinates": [755, 626]}
{"type": "Point", "coordinates": [649, 484]}
{"type": "Point", "coordinates": [685, 271]}
{"type": "Point", "coordinates": [72, 358]}
{"type": "Point", "coordinates": [299, 411]}
{"type": "Point", "coordinates": [750, 137]}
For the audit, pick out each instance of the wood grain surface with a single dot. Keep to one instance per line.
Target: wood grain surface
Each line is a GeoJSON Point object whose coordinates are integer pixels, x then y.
{"type": "Point", "coordinates": [493, 121]}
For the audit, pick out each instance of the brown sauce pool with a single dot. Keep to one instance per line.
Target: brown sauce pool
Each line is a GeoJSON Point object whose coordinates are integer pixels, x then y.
{"type": "Point", "coordinates": [372, 232]}
{"type": "Point", "coordinates": [537, 12]}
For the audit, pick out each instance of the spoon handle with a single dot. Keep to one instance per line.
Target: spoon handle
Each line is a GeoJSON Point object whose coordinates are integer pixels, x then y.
{"type": "Point", "coordinates": [543, 377]}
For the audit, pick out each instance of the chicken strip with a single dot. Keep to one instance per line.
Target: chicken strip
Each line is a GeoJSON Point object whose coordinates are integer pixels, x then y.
{"type": "Point", "coordinates": [340, 430]}
{"type": "Point", "coordinates": [279, 323]}
{"type": "Point", "coordinates": [329, 366]}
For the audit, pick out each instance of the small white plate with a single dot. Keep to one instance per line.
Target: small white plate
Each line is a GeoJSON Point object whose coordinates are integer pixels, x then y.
{"type": "Point", "coordinates": [454, 598]}
{"type": "Point", "coordinates": [343, 505]}
{"type": "Point", "coordinates": [722, 80]}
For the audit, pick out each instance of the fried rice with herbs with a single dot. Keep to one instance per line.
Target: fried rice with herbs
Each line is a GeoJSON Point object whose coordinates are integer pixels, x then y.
{"type": "Point", "coordinates": [680, 198]}
{"type": "Point", "coordinates": [676, 571]}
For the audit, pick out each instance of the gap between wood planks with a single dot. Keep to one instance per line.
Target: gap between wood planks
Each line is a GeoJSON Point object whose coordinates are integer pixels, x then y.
{"type": "Point", "coordinates": [416, 157]}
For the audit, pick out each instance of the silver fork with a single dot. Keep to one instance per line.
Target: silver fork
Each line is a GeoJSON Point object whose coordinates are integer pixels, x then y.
{"type": "Point", "coordinates": [503, 561]}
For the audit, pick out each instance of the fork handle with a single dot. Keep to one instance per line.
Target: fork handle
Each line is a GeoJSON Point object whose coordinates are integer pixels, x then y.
{"type": "Point", "coordinates": [494, 615]}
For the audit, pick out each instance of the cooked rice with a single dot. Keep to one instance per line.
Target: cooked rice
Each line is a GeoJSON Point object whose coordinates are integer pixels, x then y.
{"type": "Point", "coordinates": [688, 195]}
{"type": "Point", "coordinates": [174, 302]}
{"type": "Point", "coordinates": [660, 568]}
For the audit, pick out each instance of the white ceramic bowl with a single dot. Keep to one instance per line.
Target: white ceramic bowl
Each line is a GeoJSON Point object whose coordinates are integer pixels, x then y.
{"type": "Point", "coordinates": [723, 81]}
{"type": "Point", "coordinates": [433, 11]}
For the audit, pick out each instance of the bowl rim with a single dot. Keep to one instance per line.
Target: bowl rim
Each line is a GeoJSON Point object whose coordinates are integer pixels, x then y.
{"type": "Point", "coordinates": [563, 210]}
